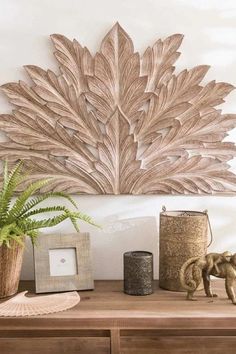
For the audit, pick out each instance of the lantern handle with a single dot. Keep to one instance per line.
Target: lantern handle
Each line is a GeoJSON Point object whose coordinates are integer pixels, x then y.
{"type": "Point", "coordinates": [209, 225]}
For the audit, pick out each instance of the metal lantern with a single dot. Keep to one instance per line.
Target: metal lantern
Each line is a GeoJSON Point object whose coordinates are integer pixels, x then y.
{"type": "Point", "coordinates": [183, 234]}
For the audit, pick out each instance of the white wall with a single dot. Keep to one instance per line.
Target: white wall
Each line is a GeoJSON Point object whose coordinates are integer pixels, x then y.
{"type": "Point", "coordinates": [129, 222]}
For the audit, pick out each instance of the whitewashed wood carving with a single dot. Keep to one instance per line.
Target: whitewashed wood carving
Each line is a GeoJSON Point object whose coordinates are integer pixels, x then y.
{"type": "Point", "coordinates": [121, 123]}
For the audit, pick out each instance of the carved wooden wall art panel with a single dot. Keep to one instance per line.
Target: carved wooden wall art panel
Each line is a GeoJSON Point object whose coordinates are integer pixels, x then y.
{"type": "Point", "coordinates": [121, 123]}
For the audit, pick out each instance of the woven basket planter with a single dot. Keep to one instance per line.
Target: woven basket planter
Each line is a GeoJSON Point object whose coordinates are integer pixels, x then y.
{"type": "Point", "coordinates": [183, 234]}
{"type": "Point", "coordinates": [10, 268]}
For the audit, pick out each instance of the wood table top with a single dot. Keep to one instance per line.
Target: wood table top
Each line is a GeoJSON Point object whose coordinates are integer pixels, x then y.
{"type": "Point", "coordinates": [108, 306]}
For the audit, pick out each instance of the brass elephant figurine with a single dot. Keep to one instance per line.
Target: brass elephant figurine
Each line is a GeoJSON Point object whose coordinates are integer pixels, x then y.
{"type": "Point", "coordinates": [220, 265]}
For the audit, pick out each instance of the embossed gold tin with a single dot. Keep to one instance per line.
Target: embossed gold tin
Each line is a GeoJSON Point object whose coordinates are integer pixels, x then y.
{"type": "Point", "coordinates": [183, 234]}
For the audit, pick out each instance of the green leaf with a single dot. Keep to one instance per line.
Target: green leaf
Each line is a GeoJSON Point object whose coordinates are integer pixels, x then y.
{"type": "Point", "coordinates": [28, 224]}
{"type": "Point", "coordinates": [22, 199]}
{"type": "Point", "coordinates": [11, 232]}
{"type": "Point", "coordinates": [16, 222]}
{"type": "Point", "coordinates": [33, 234]}
{"type": "Point", "coordinates": [38, 199]}
{"type": "Point", "coordinates": [44, 210]}
{"type": "Point", "coordinates": [86, 219]}
{"type": "Point", "coordinates": [9, 186]}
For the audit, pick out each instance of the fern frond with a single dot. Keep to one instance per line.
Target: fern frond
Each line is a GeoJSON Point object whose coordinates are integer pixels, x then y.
{"type": "Point", "coordinates": [18, 206]}
{"type": "Point", "coordinates": [44, 210]}
{"type": "Point", "coordinates": [40, 198]}
{"type": "Point", "coordinates": [28, 224]}
{"type": "Point", "coordinates": [16, 222]}
{"type": "Point", "coordinates": [85, 218]}
{"type": "Point", "coordinates": [73, 219]}
{"type": "Point", "coordinates": [11, 232]}
{"type": "Point", "coordinates": [9, 185]}
{"type": "Point", "coordinates": [74, 216]}
{"type": "Point", "coordinates": [33, 234]}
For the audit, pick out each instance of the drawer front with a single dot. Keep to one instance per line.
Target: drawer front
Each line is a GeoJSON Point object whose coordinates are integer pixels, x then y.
{"type": "Point", "coordinates": [178, 345]}
{"type": "Point", "coordinates": [67, 345]}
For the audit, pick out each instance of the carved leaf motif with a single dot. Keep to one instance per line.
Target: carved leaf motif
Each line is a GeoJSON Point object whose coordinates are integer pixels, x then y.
{"type": "Point", "coordinates": [117, 81]}
{"type": "Point", "coordinates": [117, 156]}
{"type": "Point", "coordinates": [157, 62]}
{"type": "Point", "coordinates": [192, 175]}
{"type": "Point", "coordinates": [115, 123]}
{"type": "Point", "coordinates": [173, 100]}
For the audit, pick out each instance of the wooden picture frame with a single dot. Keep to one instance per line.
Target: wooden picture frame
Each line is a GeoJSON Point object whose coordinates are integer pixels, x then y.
{"type": "Point", "coordinates": [76, 274]}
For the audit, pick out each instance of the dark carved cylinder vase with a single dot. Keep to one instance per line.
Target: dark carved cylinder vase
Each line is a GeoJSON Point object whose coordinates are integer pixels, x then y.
{"type": "Point", "coordinates": [183, 235]}
{"type": "Point", "coordinates": [138, 273]}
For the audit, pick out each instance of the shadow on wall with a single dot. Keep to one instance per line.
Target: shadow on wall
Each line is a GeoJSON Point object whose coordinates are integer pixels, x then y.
{"type": "Point", "coordinates": [118, 236]}
{"type": "Point", "coordinates": [223, 228]}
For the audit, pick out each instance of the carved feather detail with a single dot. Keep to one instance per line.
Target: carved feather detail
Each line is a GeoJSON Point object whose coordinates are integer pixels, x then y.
{"type": "Point", "coordinates": [121, 123]}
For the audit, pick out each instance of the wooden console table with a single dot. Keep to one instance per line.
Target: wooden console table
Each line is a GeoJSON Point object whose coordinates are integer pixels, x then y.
{"type": "Point", "coordinates": [108, 321]}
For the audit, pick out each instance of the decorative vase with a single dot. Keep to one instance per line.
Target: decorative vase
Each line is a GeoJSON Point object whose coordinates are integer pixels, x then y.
{"type": "Point", "coordinates": [138, 273]}
{"type": "Point", "coordinates": [183, 234]}
{"type": "Point", "coordinates": [10, 268]}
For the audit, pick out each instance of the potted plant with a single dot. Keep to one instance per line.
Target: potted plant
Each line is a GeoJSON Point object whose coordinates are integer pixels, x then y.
{"type": "Point", "coordinates": [16, 223]}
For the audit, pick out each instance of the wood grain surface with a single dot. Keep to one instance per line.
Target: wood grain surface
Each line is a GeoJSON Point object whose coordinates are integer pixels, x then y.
{"type": "Point", "coordinates": [120, 122]}
{"type": "Point", "coordinates": [111, 321]}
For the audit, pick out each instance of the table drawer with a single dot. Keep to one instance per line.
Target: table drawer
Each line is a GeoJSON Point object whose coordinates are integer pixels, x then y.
{"type": "Point", "coordinates": [56, 345]}
{"type": "Point", "coordinates": [178, 345]}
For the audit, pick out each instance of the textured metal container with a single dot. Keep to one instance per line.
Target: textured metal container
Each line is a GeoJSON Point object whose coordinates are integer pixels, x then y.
{"type": "Point", "coordinates": [138, 273]}
{"type": "Point", "coordinates": [183, 234]}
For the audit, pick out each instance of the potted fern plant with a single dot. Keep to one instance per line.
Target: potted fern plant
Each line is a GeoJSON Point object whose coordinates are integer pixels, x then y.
{"type": "Point", "coordinates": [16, 223]}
